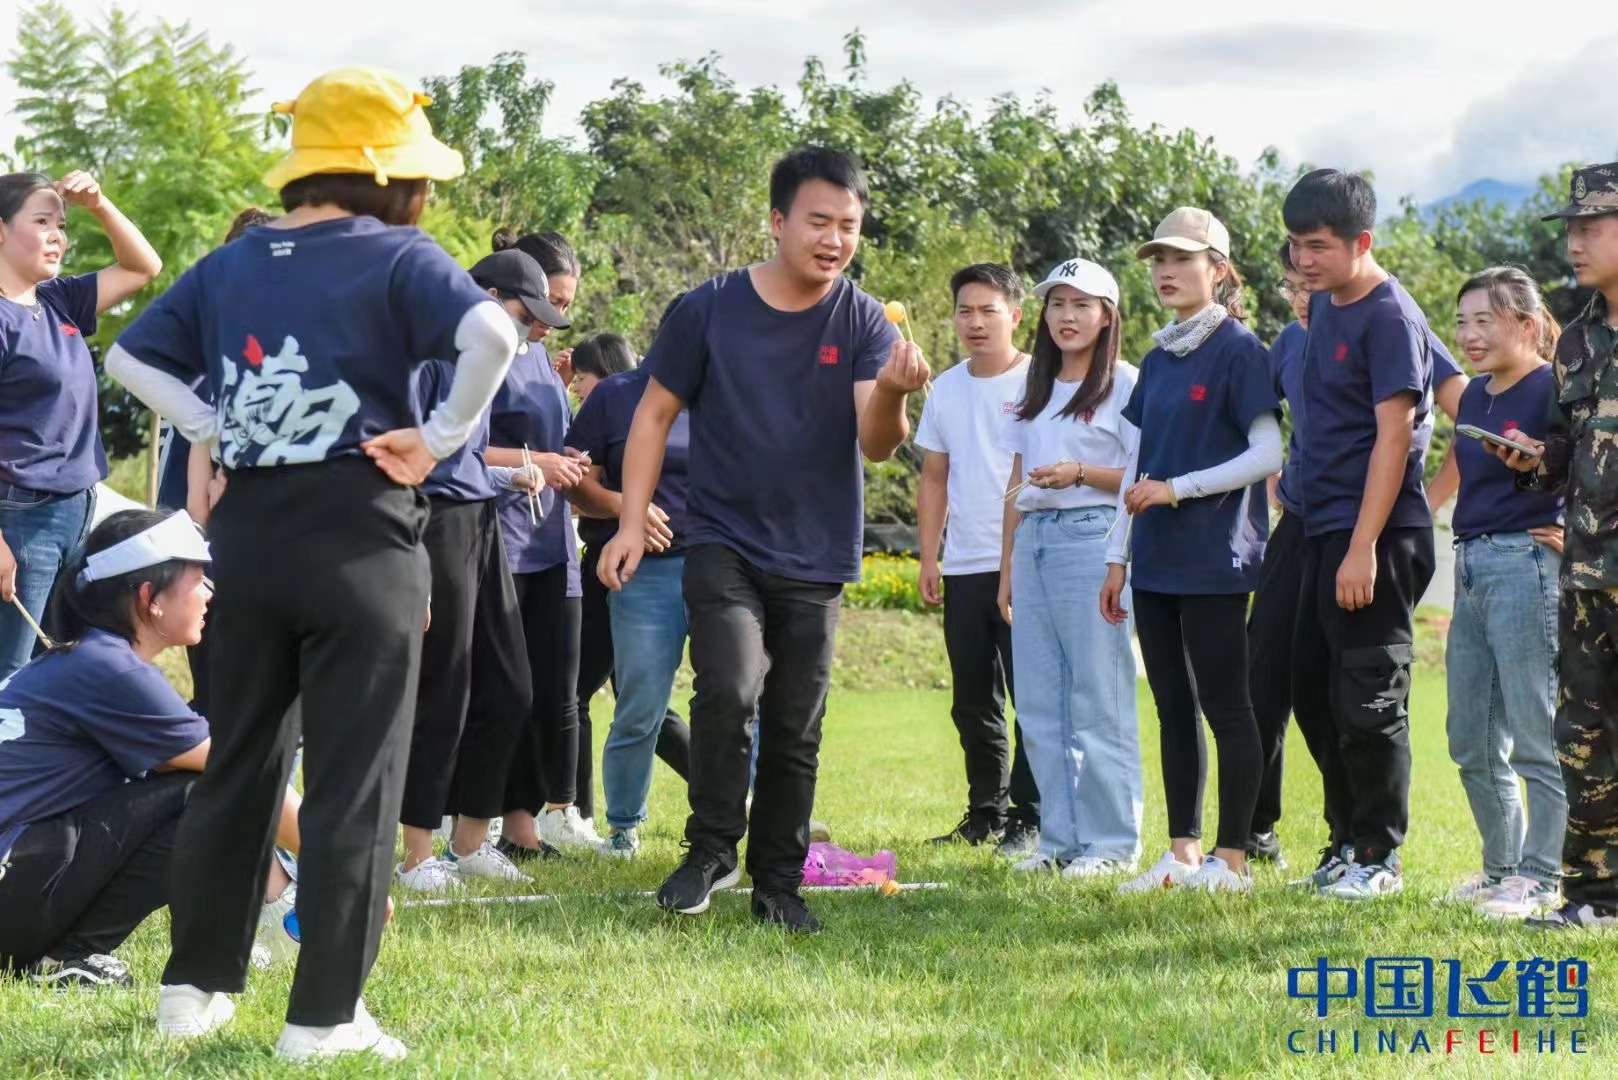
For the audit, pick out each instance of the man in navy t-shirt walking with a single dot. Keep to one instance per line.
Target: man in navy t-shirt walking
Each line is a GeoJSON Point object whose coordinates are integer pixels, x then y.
{"type": "Point", "coordinates": [790, 372]}
{"type": "Point", "coordinates": [1367, 378]}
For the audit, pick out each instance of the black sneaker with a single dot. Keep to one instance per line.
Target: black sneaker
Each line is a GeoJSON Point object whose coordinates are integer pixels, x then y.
{"type": "Point", "coordinates": [686, 890]}
{"type": "Point", "coordinates": [1265, 847]}
{"type": "Point", "coordinates": [974, 829]}
{"type": "Point", "coordinates": [1021, 839]}
{"type": "Point", "coordinates": [519, 854]}
{"type": "Point", "coordinates": [97, 969]}
{"type": "Point", "coordinates": [785, 909]}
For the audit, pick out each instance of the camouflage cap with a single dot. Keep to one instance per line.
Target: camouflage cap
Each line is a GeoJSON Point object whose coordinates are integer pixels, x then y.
{"type": "Point", "coordinates": [1594, 192]}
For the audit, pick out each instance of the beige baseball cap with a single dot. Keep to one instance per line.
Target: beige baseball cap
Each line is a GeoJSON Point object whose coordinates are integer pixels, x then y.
{"type": "Point", "coordinates": [1189, 229]}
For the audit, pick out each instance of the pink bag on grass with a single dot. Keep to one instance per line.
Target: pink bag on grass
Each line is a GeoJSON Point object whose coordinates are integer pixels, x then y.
{"type": "Point", "coordinates": [828, 864]}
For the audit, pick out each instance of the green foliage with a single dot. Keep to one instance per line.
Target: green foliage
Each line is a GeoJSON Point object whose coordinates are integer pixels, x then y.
{"type": "Point", "coordinates": [887, 583]}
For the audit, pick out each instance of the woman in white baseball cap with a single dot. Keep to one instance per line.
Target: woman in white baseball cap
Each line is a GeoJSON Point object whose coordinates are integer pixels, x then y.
{"type": "Point", "coordinates": [1075, 673]}
{"type": "Point", "coordinates": [1209, 436]}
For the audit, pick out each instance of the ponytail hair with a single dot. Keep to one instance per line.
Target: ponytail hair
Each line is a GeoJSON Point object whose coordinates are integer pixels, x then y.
{"type": "Point", "coordinates": [1513, 292]}
{"type": "Point", "coordinates": [1229, 291]}
{"type": "Point", "coordinates": [112, 605]}
{"type": "Point", "coordinates": [550, 250]}
{"type": "Point", "coordinates": [504, 237]}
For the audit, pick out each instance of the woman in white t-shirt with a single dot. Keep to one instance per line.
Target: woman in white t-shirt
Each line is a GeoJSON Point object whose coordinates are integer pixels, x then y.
{"type": "Point", "coordinates": [1075, 674]}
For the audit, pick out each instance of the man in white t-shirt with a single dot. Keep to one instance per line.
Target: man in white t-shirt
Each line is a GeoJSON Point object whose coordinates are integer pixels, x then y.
{"type": "Point", "coordinates": [963, 478]}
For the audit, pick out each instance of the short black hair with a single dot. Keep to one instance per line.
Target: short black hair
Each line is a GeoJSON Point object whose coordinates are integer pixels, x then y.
{"type": "Point", "coordinates": [399, 202]}
{"type": "Point", "coordinates": [108, 604]}
{"type": "Point", "coordinates": [815, 163]}
{"type": "Point", "coordinates": [997, 276]}
{"type": "Point", "coordinates": [1331, 199]}
{"type": "Point", "coordinates": [603, 355]}
{"type": "Point", "coordinates": [1286, 257]}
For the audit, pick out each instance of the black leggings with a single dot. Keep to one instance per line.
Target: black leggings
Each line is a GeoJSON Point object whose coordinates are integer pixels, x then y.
{"type": "Point", "coordinates": [545, 767]}
{"type": "Point", "coordinates": [1195, 649]}
{"type": "Point", "coordinates": [79, 883]}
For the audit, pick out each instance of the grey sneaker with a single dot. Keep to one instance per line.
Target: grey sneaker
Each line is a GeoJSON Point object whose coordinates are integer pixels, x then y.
{"type": "Point", "coordinates": [1334, 863]}
{"type": "Point", "coordinates": [623, 843]}
{"type": "Point", "coordinates": [1369, 880]}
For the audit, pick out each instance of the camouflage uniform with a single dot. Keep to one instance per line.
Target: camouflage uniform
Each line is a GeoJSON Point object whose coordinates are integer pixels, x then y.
{"type": "Point", "coordinates": [1581, 461]}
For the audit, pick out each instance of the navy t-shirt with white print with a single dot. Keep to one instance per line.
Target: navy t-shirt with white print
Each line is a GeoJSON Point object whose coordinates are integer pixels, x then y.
{"type": "Point", "coordinates": [602, 430]}
{"type": "Point", "coordinates": [1357, 356]}
{"type": "Point", "coordinates": [463, 476]}
{"type": "Point", "coordinates": [1489, 500]}
{"type": "Point", "coordinates": [1194, 412]}
{"type": "Point", "coordinates": [1286, 374]}
{"type": "Point", "coordinates": [49, 437]}
{"type": "Point", "coordinates": [77, 723]}
{"type": "Point", "coordinates": [308, 336]}
{"type": "Point", "coordinates": [532, 409]}
{"type": "Point", "coordinates": [775, 460]}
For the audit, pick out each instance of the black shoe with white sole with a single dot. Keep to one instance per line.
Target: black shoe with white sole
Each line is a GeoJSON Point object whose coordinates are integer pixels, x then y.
{"type": "Point", "coordinates": [687, 889]}
{"type": "Point", "coordinates": [786, 910]}
{"type": "Point", "coordinates": [97, 969]}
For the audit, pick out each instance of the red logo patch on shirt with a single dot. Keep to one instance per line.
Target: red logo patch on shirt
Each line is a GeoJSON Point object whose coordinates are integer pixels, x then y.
{"type": "Point", "coordinates": [1199, 392]}
{"type": "Point", "coordinates": [70, 330]}
{"type": "Point", "coordinates": [1007, 408]}
{"type": "Point", "coordinates": [1508, 427]}
{"type": "Point", "coordinates": [1342, 352]}
{"type": "Point", "coordinates": [254, 351]}
{"type": "Point", "coordinates": [828, 354]}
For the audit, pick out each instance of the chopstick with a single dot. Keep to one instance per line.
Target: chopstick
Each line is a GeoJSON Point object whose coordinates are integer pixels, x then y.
{"type": "Point", "coordinates": [29, 619]}
{"type": "Point", "coordinates": [1015, 491]}
{"type": "Point", "coordinates": [1130, 528]}
{"type": "Point", "coordinates": [533, 498]}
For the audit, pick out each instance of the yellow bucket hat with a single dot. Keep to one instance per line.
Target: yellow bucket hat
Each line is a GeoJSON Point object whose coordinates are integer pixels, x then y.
{"type": "Point", "coordinates": [362, 120]}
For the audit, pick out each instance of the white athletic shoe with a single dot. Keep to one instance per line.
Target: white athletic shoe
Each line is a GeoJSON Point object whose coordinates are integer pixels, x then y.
{"type": "Point", "coordinates": [1215, 875]}
{"type": "Point", "coordinates": [1519, 897]}
{"type": "Point", "coordinates": [1475, 888]}
{"type": "Point", "coordinates": [359, 1036]}
{"type": "Point", "coordinates": [433, 876]}
{"type": "Point", "coordinates": [1167, 873]}
{"type": "Point", "coordinates": [485, 862]}
{"type": "Point", "coordinates": [277, 938]}
{"type": "Point", "coordinates": [1093, 866]}
{"type": "Point", "coordinates": [624, 843]}
{"type": "Point", "coordinates": [184, 1012]}
{"type": "Point", "coordinates": [1038, 863]}
{"type": "Point", "coordinates": [565, 828]}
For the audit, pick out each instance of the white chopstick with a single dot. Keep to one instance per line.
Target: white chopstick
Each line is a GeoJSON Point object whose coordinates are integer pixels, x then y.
{"type": "Point", "coordinates": [533, 497]}
{"type": "Point", "coordinates": [29, 619]}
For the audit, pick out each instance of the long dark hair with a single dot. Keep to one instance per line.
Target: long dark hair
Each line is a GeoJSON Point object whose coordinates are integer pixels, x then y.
{"type": "Point", "coordinates": [1047, 364]}
{"type": "Point", "coordinates": [112, 605]}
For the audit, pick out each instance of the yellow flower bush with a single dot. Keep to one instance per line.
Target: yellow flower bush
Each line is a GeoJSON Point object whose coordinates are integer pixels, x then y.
{"type": "Point", "coordinates": [889, 583]}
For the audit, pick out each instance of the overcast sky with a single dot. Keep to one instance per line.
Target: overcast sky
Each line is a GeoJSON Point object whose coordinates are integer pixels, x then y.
{"type": "Point", "coordinates": [1430, 94]}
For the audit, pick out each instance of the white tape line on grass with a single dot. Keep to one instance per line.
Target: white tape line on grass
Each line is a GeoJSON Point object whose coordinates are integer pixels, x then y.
{"type": "Point", "coordinates": [534, 898]}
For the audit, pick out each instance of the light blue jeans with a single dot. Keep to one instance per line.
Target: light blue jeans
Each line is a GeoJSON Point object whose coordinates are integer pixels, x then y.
{"type": "Point", "coordinates": [1075, 679]}
{"type": "Point", "coordinates": [43, 531]}
{"type": "Point", "coordinates": [648, 642]}
{"type": "Point", "coordinates": [1501, 664]}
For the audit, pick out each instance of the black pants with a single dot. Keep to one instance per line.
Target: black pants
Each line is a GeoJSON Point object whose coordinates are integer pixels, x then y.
{"type": "Point", "coordinates": [1196, 656]}
{"type": "Point", "coordinates": [758, 642]}
{"type": "Point", "coordinates": [322, 590]}
{"type": "Point", "coordinates": [1271, 626]}
{"type": "Point", "coordinates": [474, 614]}
{"type": "Point", "coordinates": [1587, 745]}
{"type": "Point", "coordinates": [979, 645]}
{"type": "Point", "coordinates": [80, 883]}
{"type": "Point", "coordinates": [545, 767]}
{"type": "Point", "coordinates": [1351, 686]}
{"type": "Point", "coordinates": [595, 671]}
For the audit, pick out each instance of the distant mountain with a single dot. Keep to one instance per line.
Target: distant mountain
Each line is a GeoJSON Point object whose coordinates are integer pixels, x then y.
{"type": "Point", "coordinates": [1511, 196]}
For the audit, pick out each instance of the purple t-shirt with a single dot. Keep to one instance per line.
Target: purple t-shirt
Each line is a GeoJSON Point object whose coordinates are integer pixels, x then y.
{"type": "Point", "coordinates": [532, 409]}
{"type": "Point", "coordinates": [775, 459]}
{"type": "Point", "coordinates": [77, 723]}
{"type": "Point", "coordinates": [49, 437]}
{"type": "Point", "coordinates": [602, 430]}
{"type": "Point", "coordinates": [463, 476]}
{"type": "Point", "coordinates": [1489, 499]}
{"type": "Point", "coordinates": [1286, 377]}
{"type": "Point", "coordinates": [1194, 412]}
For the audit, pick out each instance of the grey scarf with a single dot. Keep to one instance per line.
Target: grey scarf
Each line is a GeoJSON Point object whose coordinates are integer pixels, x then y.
{"type": "Point", "coordinates": [1181, 338]}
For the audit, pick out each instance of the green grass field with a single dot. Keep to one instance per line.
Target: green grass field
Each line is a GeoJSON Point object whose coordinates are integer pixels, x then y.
{"type": "Point", "coordinates": [992, 976]}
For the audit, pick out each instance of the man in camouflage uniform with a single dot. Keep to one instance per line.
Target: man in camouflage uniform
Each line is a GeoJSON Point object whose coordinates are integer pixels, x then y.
{"type": "Point", "coordinates": [1580, 459]}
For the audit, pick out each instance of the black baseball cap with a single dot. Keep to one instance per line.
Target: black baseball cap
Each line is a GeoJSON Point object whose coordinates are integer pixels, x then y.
{"type": "Point", "coordinates": [515, 273]}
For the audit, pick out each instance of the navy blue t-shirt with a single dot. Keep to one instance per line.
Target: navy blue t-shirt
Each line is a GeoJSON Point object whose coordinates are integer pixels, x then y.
{"type": "Point", "coordinates": [1489, 499]}
{"type": "Point", "coordinates": [77, 723]}
{"type": "Point", "coordinates": [463, 476]}
{"type": "Point", "coordinates": [1194, 412]}
{"type": "Point", "coordinates": [1286, 378]}
{"type": "Point", "coordinates": [308, 336]}
{"type": "Point", "coordinates": [1357, 356]}
{"type": "Point", "coordinates": [49, 437]}
{"type": "Point", "coordinates": [602, 430]}
{"type": "Point", "coordinates": [775, 460]}
{"type": "Point", "coordinates": [532, 409]}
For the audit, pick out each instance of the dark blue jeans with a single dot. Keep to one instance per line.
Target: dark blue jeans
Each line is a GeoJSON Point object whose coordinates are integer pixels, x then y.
{"type": "Point", "coordinates": [43, 531]}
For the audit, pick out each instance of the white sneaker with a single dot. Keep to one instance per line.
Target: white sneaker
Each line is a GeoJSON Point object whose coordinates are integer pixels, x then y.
{"type": "Point", "coordinates": [433, 876]}
{"type": "Point", "coordinates": [1367, 881]}
{"type": "Point", "coordinates": [1092, 866]}
{"type": "Point", "coordinates": [1475, 888]}
{"type": "Point", "coordinates": [1215, 875]}
{"type": "Point", "coordinates": [623, 843]}
{"type": "Point", "coordinates": [485, 862]}
{"type": "Point", "coordinates": [1167, 873]}
{"type": "Point", "coordinates": [1519, 897]}
{"type": "Point", "coordinates": [277, 939]}
{"type": "Point", "coordinates": [1038, 863]}
{"type": "Point", "coordinates": [184, 1012]}
{"type": "Point", "coordinates": [359, 1036]}
{"type": "Point", "coordinates": [565, 828]}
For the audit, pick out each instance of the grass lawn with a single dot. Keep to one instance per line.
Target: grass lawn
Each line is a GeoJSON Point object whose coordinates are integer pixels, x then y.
{"type": "Point", "coordinates": [992, 976]}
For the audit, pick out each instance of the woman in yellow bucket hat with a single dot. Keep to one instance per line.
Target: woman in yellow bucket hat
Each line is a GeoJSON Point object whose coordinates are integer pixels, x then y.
{"type": "Point", "coordinates": [308, 331]}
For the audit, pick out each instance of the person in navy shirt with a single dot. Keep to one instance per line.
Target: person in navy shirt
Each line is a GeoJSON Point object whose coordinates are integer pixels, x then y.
{"type": "Point", "coordinates": [309, 331]}
{"type": "Point", "coordinates": [50, 441]}
{"type": "Point", "coordinates": [1508, 545]}
{"type": "Point", "coordinates": [790, 373]}
{"type": "Point", "coordinates": [1209, 435]}
{"type": "Point", "coordinates": [1364, 425]}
